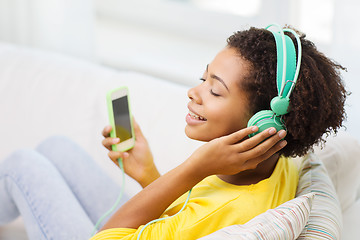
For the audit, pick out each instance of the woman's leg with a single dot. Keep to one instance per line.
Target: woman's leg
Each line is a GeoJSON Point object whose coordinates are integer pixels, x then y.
{"type": "Point", "coordinates": [93, 188]}
{"type": "Point", "coordinates": [32, 186]}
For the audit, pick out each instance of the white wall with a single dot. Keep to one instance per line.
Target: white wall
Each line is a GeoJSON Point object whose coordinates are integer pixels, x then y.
{"type": "Point", "coordinates": [55, 25]}
{"type": "Point", "coordinates": [345, 49]}
{"type": "Point", "coordinates": [173, 40]}
{"type": "Point", "coordinates": [169, 38]}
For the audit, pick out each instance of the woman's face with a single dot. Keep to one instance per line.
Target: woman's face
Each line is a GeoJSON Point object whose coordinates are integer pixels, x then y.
{"type": "Point", "coordinates": [218, 106]}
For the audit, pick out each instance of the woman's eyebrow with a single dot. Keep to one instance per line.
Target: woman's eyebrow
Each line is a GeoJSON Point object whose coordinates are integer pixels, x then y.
{"type": "Point", "coordinates": [220, 80]}
{"type": "Point", "coordinates": [217, 78]}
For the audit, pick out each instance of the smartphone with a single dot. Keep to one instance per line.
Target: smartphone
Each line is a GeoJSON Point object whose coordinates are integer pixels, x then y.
{"type": "Point", "coordinates": [120, 119]}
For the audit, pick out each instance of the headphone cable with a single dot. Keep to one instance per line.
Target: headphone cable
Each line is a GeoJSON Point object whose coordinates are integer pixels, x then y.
{"type": "Point", "coordinates": [120, 161]}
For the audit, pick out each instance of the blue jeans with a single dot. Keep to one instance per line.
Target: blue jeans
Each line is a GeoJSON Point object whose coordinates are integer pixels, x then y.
{"type": "Point", "coordinates": [58, 189]}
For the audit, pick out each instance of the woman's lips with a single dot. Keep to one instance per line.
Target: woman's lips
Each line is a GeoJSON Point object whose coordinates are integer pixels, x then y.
{"type": "Point", "coordinates": [196, 116]}
{"type": "Point", "coordinates": [194, 119]}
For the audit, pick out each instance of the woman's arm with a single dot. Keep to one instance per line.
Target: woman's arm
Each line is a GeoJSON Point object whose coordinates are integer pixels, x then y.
{"type": "Point", "coordinates": [224, 155]}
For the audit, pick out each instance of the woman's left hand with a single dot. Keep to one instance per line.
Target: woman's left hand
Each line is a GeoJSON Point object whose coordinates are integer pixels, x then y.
{"type": "Point", "coordinates": [234, 153]}
{"type": "Point", "coordinates": [138, 161]}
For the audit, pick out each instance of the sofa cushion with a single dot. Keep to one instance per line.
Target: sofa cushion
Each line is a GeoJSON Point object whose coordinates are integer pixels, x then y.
{"type": "Point", "coordinates": [340, 157]}
{"type": "Point", "coordinates": [44, 94]}
{"type": "Point", "coordinates": [325, 220]}
{"type": "Point", "coordinates": [351, 222]}
{"type": "Point", "coordinates": [283, 222]}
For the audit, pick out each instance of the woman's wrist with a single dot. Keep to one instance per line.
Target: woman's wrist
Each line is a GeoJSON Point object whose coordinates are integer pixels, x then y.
{"type": "Point", "coordinates": [198, 168]}
{"type": "Point", "coordinates": [152, 175]}
{"type": "Point", "coordinates": [194, 169]}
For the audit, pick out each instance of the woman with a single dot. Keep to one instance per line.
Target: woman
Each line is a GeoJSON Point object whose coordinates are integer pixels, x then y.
{"type": "Point", "coordinates": [233, 177]}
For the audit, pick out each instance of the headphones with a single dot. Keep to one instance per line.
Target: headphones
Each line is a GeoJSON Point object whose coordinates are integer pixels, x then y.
{"type": "Point", "coordinates": [287, 73]}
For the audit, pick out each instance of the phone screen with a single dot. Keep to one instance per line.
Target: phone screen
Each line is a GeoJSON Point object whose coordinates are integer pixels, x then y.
{"type": "Point", "coordinates": [122, 118]}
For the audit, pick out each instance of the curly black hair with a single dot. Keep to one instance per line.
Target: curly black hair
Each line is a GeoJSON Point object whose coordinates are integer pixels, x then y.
{"type": "Point", "coordinates": [317, 102]}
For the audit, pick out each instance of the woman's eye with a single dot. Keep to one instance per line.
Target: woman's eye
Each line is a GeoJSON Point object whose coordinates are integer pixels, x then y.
{"type": "Point", "coordinates": [215, 94]}
{"type": "Point", "coordinates": [211, 91]}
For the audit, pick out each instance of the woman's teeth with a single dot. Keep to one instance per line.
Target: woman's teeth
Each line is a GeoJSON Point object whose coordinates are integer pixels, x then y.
{"type": "Point", "coordinates": [193, 115]}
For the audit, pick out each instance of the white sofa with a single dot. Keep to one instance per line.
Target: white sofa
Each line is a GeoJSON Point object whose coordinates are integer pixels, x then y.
{"type": "Point", "coordinates": [43, 94]}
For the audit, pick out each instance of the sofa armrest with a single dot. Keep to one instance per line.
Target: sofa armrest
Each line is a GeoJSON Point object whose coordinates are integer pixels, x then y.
{"type": "Point", "coordinates": [340, 156]}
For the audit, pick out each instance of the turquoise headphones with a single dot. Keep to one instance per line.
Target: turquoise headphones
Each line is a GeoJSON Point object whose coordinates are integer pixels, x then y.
{"type": "Point", "coordinates": [287, 73]}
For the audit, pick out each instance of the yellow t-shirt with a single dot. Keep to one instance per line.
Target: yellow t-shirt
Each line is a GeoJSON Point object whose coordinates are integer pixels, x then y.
{"type": "Point", "coordinates": [215, 204]}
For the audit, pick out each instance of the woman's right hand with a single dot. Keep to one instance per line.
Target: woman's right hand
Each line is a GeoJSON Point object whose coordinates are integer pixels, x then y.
{"type": "Point", "coordinates": [138, 162]}
{"type": "Point", "coordinates": [236, 152]}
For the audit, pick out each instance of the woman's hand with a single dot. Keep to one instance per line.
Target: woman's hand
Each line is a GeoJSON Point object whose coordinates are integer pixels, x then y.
{"type": "Point", "coordinates": [232, 154]}
{"type": "Point", "coordinates": [138, 161]}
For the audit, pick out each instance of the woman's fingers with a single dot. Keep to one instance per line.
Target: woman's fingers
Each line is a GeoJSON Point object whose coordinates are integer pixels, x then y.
{"type": "Point", "coordinates": [241, 134]}
{"type": "Point", "coordinates": [107, 142]}
{"type": "Point", "coordinates": [267, 146]}
{"type": "Point", "coordinates": [114, 156]}
{"type": "Point", "coordinates": [256, 140]}
{"type": "Point", "coordinates": [253, 163]}
{"type": "Point", "coordinates": [274, 149]}
{"type": "Point", "coordinates": [106, 131]}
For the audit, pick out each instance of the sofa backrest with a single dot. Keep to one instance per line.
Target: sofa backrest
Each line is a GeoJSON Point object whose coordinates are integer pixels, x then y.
{"type": "Point", "coordinates": [44, 94]}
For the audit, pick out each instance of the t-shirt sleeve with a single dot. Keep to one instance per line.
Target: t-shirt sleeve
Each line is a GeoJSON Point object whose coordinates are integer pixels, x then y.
{"type": "Point", "coordinates": [194, 222]}
{"type": "Point", "coordinates": [164, 229]}
{"type": "Point", "coordinates": [114, 233]}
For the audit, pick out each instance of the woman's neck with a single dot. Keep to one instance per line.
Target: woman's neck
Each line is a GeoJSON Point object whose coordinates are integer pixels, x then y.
{"type": "Point", "coordinates": [253, 176]}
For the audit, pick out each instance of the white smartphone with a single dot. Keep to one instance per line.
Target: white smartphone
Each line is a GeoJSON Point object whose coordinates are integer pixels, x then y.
{"type": "Point", "coordinates": [120, 119]}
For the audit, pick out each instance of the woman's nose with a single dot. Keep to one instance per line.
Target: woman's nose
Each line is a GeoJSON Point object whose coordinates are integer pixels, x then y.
{"type": "Point", "coordinates": [194, 95]}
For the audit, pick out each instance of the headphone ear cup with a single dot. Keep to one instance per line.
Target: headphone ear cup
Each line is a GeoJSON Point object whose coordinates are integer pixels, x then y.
{"type": "Point", "coordinates": [264, 120]}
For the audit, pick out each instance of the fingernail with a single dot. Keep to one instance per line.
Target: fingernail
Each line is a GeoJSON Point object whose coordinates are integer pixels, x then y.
{"type": "Point", "coordinates": [272, 131]}
{"type": "Point", "coordinates": [283, 143]}
{"type": "Point", "coordinates": [125, 154]}
{"type": "Point", "coordinates": [116, 140]}
{"type": "Point", "coordinates": [282, 134]}
{"type": "Point", "coordinates": [254, 129]}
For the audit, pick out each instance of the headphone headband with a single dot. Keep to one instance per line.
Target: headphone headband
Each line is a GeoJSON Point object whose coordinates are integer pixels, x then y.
{"type": "Point", "coordinates": [287, 66]}
{"type": "Point", "coordinates": [287, 73]}
{"type": "Point", "coordinates": [298, 41]}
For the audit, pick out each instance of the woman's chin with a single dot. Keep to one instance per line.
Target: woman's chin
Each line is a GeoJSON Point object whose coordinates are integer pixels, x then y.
{"type": "Point", "coordinates": [196, 136]}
